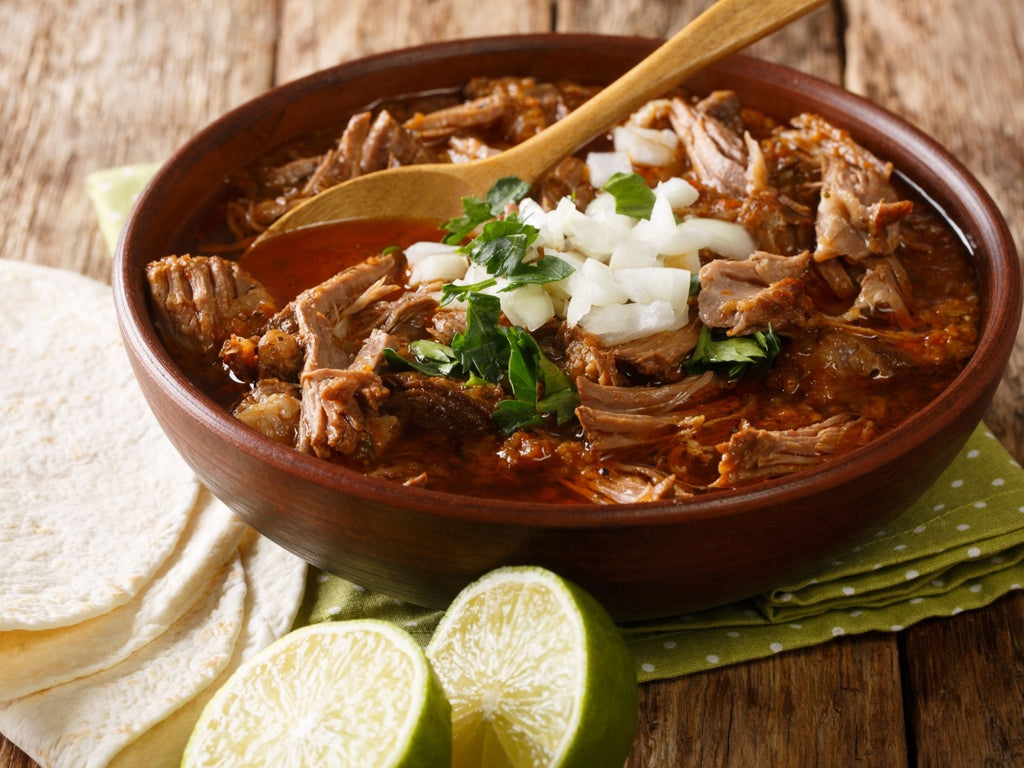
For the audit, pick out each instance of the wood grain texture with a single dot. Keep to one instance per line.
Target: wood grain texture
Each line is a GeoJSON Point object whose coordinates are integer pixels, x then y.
{"type": "Point", "coordinates": [88, 84]}
{"type": "Point", "coordinates": [964, 681]}
{"type": "Point", "coordinates": [94, 84]}
{"type": "Point", "coordinates": [837, 704]}
{"type": "Point", "coordinates": [320, 33]}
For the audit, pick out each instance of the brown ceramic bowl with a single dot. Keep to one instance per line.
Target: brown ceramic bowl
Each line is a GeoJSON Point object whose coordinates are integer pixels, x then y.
{"type": "Point", "coordinates": [641, 561]}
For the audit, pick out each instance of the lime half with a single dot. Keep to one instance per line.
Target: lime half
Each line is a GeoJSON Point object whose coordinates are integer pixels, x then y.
{"type": "Point", "coordinates": [537, 675]}
{"type": "Point", "coordinates": [336, 695]}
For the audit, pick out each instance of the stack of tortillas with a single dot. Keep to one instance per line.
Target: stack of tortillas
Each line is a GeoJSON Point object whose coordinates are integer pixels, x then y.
{"type": "Point", "coordinates": [128, 593]}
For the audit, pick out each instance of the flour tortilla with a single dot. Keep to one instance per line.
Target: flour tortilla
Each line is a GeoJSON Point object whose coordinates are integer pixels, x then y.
{"type": "Point", "coordinates": [94, 497]}
{"type": "Point", "coordinates": [276, 582]}
{"type": "Point", "coordinates": [84, 723]}
{"type": "Point", "coordinates": [33, 660]}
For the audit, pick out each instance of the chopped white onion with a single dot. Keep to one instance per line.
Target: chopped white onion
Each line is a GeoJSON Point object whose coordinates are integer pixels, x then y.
{"type": "Point", "coordinates": [528, 306]}
{"type": "Point", "coordinates": [723, 237]}
{"type": "Point", "coordinates": [651, 284]}
{"type": "Point", "coordinates": [603, 165]}
{"type": "Point", "coordinates": [600, 280]}
{"type": "Point", "coordinates": [423, 249]}
{"type": "Point", "coordinates": [445, 267]}
{"type": "Point", "coordinates": [646, 146]}
{"type": "Point", "coordinates": [633, 254]}
{"type": "Point", "coordinates": [619, 323]}
{"type": "Point", "coordinates": [680, 192]}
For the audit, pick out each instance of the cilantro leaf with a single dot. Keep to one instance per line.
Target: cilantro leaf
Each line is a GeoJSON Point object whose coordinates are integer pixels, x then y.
{"type": "Point", "coordinates": [509, 189]}
{"type": "Point", "coordinates": [512, 415]}
{"type": "Point", "coordinates": [632, 195]}
{"type": "Point", "coordinates": [476, 211]}
{"type": "Point", "coordinates": [531, 374]}
{"type": "Point", "coordinates": [481, 347]}
{"type": "Point", "coordinates": [450, 291]}
{"type": "Point", "coordinates": [547, 269]}
{"type": "Point", "coordinates": [429, 357]}
{"type": "Point", "coordinates": [734, 356]}
{"type": "Point", "coordinates": [502, 245]}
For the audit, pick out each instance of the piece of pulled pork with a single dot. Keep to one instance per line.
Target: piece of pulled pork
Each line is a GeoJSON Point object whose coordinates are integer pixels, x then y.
{"type": "Point", "coordinates": [757, 454]}
{"type": "Point", "coordinates": [763, 291]}
{"type": "Point", "coordinates": [199, 302]}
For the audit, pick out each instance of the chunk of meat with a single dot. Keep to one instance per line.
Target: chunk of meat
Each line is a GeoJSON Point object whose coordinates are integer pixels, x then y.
{"type": "Point", "coordinates": [319, 310]}
{"type": "Point", "coordinates": [660, 356]}
{"type": "Point", "coordinates": [338, 417]}
{"type": "Point", "coordinates": [777, 223]}
{"type": "Point", "coordinates": [859, 211]}
{"type": "Point", "coordinates": [585, 356]}
{"type": "Point", "coordinates": [437, 404]}
{"type": "Point", "coordinates": [342, 162]}
{"type": "Point", "coordinates": [885, 291]}
{"type": "Point", "coordinates": [199, 302]}
{"type": "Point", "coordinates": [443, 123]}
{"type": "Point", "coordinates": [757, 454]}
{"type": "Point", "coordinates": [651, 401]}
{"type": "Point", "coordinates": [609, 431]}
{"type": "Point", "coordinates": [388, 144]}
{"type": "Point", "coordinates": [570, 178]}
{"type": "Point", "coordinates": [272, 408]}
{"type": "Point", "coordinates": [753, 294]}
{"type": "Point", "coordinates": [717, 153]}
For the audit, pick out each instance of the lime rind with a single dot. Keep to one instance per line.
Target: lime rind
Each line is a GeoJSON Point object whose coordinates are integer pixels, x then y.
{"type": "Point", "coordinates": [537, 674]}
{"type": "Point", "coordinates": [343, 695]}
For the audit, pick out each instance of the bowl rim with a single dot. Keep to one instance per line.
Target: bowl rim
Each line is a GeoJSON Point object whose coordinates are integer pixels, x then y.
{"type": "Point", "coordinates": [995, 341]}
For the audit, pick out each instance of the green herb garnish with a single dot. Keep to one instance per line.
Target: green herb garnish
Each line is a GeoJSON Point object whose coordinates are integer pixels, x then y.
{"type": "Point", "coordinates": [502, 245]}
{"type": "Point", "coordinates": [735, 356]}
{"type": "Point", "coordinates": [488, 351]}
{"type": "Point", "coordinates": [476, 211]}
{"type": "Point", "coordinates": [632, 195]}
{"type": "Point", "coordinates": [538, 386]}
{"type": "Point", "coordinates": [499, 354]}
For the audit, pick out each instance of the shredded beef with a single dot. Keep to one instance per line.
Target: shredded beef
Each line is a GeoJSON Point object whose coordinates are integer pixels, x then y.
{"type": "Point", "coordinates": [755, 454]}
{"type": "Point", "coordinates": [199, 302]}
{"type": "Point", "coordinates": [651, 401]}
{"type": "Point", "coordinates": [884, 289]}
{"type": "Point", "coordinates": [751, 295]}
{"type": "Point", "coordinates": [585, 356]}
{"type": "Point", "coordinates": [338, 417]}
{"type": "Point", "coordinates": [442, 405]}
{"type": "Point", "coordinates": [660, 356]}
{"type": "Point", "coordinates": [716, 152]}
{"type": "Point", "coordinates": [859, 211]}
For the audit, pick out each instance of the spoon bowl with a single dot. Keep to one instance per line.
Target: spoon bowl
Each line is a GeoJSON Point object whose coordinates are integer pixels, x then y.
{"type": "Point", "coordinates": [433, 192]}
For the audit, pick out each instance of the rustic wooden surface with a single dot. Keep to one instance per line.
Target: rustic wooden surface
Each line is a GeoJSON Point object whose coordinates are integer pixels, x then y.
{"type": "Point", "coordinates": [87, 84]}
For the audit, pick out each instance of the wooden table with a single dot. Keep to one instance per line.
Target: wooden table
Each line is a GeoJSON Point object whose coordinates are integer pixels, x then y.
{"type": "Point", "coordinates": [93, 83]}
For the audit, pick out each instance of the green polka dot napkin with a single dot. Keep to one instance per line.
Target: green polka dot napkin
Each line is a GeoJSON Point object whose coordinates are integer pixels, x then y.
{"type": "Point", "coordinates": [959, 547]}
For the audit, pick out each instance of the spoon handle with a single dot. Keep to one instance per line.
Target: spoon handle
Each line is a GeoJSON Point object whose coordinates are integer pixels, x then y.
{"type": "Point", "coordinates": [724, 28]}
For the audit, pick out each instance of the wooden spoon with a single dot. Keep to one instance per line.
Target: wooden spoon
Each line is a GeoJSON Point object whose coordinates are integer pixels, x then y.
{"type": "Point", "coordinates": [433, 192]}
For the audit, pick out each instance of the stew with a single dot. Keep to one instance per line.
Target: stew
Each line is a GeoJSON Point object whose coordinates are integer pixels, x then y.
{"type": "Point", "coordinates": [703, 300]}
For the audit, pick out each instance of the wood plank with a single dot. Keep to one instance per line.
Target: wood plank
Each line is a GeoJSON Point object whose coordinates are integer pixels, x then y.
{"type": "Point", "coordinates": [965, 687]}
{"type": "Point", "coordinates": [315, 35]}
{"type": "Point", "coordinates": [809, 44]}
{"type": "Point", "coordinates": [130, 102]}
{"type": "Point", "coordinates": [835, 704]}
